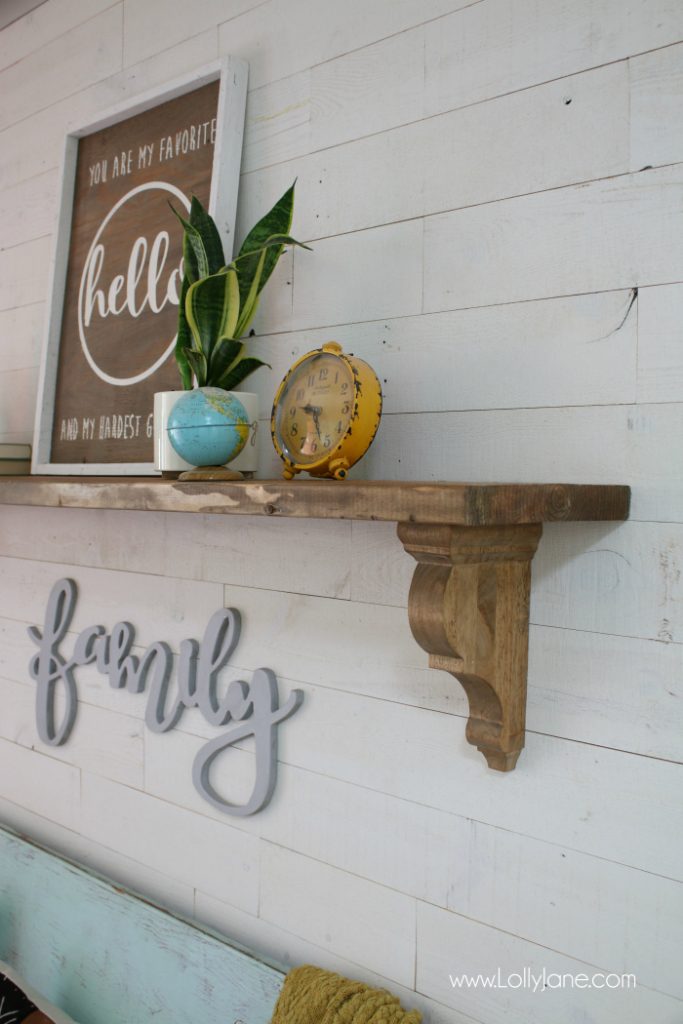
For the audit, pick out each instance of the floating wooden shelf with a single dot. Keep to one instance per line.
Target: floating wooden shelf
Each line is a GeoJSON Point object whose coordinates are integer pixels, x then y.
{"type": "Point", "coordinates": [469, 600]}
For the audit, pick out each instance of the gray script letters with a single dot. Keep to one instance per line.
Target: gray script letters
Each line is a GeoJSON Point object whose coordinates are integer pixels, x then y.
{"type": "Point", "coordinates": [252, 708]}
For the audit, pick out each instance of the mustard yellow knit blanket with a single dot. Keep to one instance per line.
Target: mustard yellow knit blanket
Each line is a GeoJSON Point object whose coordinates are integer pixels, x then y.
{"type": "Point", "coordinates": [313, 996]}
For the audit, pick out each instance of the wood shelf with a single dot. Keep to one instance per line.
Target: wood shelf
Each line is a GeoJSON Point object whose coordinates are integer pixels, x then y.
{"type": "Point", "coordinates": [473, 543]}
{"type": "Point", "coordinates": [461, 504]}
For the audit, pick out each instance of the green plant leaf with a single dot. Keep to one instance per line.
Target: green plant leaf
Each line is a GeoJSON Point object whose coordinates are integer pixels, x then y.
{"type": "Point", "coordinates": [212, 309]}
{"type": "Point", "coordinates": [218, 302]}
{"type": "Point", "coordinates": [202, 255]}
{"type": "Point", "coordinates": [250, 301]}
{"type": "Point", "coordinates": [197, 361]}
{"type": "Point", "coordinates": [206, 226]}
{"type": "Point", "coordinates": [225, 353]}
{"type": "Point", "coordinates": [183, 340]}
{"type": "Point", "coordinates": [239, 372]}
{"type": "Point", "coordinates": [195, 258]}
{"type": "Point", "coordinates": [277, 221]}
{"type": "Point", "coordinates": [249, 304]}
{"type": "Point", "coordinates": [232, 304]}
{"type": "Point", "coordinates": [274, 240]}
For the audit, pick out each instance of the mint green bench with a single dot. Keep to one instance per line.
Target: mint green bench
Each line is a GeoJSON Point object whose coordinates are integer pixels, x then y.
{"type": "Point", "coordinates": [105, 956]}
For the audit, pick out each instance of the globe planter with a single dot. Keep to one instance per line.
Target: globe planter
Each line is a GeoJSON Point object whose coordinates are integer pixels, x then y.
{"type": "Point", "coordinates": [218, 301]}
{"type": "Point", "coordinates": [207, 415]}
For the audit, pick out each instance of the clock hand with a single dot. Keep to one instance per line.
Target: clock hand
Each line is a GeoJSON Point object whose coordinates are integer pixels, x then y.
{"type": "Point", "coordinates": [314, 411]}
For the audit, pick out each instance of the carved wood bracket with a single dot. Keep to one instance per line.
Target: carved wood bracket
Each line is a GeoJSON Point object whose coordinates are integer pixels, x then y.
{"type": "Point", "coordinates": [469, 609]}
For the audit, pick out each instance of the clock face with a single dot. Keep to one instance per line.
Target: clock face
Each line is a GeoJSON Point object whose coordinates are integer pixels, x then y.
{"type": "Point", "coordinates": [315, 409]}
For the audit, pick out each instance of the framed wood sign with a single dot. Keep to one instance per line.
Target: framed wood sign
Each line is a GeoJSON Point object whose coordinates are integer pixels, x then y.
{"type": "Point", "coordinates": [117, 269]}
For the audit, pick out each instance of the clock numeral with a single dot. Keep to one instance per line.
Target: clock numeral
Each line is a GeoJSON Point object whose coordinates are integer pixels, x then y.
{"type": "Point", "coordinates": [346, 409]}
{"type": "Point", "coordinates": [299, 394]}
{"type": "Point", "coordinates": [328, 441]}
{"type": "Point", "coordinates": [345, 386]}
{"type": "Point", "coordinates": [294, 430]}
{"type": "Point", "coordinates": [292, 411]}
{"type": "Point", "coordinates": [311, 380]}
{"type": "Point", "coordinates": [339, 427]}
{"type": "Point", "coordinates": [322, 375]}
{"type": "Point", "coordinates": [314, 446]}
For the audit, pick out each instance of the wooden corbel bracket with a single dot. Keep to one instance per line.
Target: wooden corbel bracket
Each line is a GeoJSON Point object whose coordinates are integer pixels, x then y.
{"type": "Point", "coordinates": [469, 609]}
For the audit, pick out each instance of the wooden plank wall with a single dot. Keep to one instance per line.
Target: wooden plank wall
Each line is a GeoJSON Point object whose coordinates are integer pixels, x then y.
{"type": "Point", "coordinates": [485, 185]}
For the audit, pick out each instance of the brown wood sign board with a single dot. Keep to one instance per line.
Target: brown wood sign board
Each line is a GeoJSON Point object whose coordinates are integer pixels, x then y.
{"type": "Point", "coordinates": [118, 269]}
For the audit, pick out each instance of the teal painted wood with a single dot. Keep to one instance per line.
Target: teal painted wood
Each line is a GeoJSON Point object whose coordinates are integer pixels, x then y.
{"type": "Point", "coordinates": [106, 956]}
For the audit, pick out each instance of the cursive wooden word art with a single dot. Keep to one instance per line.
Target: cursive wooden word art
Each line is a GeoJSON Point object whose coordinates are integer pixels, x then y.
{"type": "Point", "coordinates": [252, 708]}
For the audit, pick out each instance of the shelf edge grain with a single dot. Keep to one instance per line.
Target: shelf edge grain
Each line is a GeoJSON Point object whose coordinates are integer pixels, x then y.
{"type": "Point", "coordinates": [462, 504]}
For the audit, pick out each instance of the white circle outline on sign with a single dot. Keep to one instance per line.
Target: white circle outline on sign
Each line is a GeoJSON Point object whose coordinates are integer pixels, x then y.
{"type": "Point", "coordinates": [123, 381]}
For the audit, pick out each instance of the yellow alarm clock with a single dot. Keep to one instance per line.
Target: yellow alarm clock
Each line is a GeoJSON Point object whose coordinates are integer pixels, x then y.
{"type": "Point", "coordinates": [326, 413]}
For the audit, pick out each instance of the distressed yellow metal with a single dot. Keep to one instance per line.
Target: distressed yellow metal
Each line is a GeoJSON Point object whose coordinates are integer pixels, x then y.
{"type": "Point", "coordinates": [326, 413]}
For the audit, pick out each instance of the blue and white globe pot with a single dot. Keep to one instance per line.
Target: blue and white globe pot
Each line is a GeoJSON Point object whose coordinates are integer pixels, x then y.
{"type": "Point", "coordinates": [208, 427]}
{"type": "Point", "coordinates": [166, 458]}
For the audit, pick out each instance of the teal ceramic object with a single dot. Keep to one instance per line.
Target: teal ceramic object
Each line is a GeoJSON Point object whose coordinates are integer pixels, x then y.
{"type": "Point", "coordinates": [208, 427]}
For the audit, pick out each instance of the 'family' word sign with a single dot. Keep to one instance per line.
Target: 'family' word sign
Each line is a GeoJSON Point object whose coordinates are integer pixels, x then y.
{"type": "Point", "coordinates": [249, 709]}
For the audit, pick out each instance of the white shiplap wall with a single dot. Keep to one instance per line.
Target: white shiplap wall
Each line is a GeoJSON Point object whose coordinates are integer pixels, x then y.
{"type": "Point", "coordinates": [484, 185]}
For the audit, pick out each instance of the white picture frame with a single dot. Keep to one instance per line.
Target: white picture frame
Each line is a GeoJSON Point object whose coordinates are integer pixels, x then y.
{"type": "Point", "coordinates": [232, 73]}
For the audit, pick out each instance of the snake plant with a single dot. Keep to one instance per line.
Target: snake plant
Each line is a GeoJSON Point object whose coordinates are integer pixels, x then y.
{"type": "Point", "coordinates": [218, 301]}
